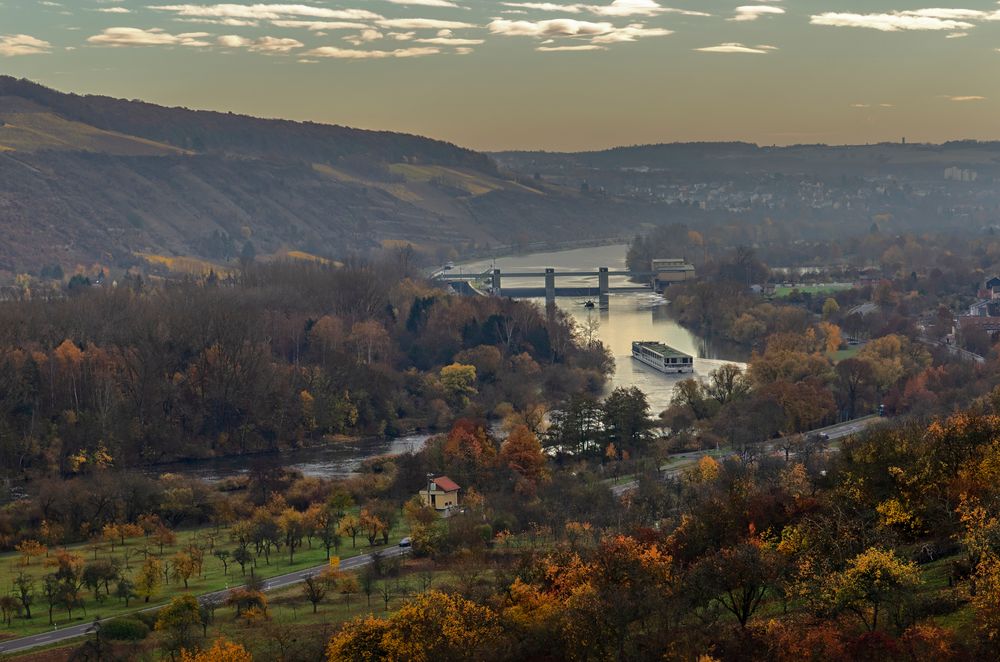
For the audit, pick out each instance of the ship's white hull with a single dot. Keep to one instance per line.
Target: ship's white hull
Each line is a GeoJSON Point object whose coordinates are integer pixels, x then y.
{"type": "Point", "coordinates": [666, 369]}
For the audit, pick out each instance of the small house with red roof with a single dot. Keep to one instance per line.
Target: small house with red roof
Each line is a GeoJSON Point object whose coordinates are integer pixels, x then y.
{"type": "Point", "coordinates": [441, 494]}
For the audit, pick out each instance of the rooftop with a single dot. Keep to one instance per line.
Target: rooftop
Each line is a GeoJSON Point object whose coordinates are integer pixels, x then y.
{"type": "Point", "coordinates": [446, 484]}
{"type": "Point", "coordinates": [660, 348]}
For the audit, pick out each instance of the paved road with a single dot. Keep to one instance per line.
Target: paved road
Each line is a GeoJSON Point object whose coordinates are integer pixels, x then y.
{"type": "Point", "coordinates": [683, 461]}
{"type": "Point", "coordinates": [281, 581]}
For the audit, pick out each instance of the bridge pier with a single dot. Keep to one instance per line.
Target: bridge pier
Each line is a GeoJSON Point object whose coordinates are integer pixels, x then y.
{"type": "Point", "coordinates": [602, 281]}
{"type": "Point", "coordinates": [550, 286]}
{"type": "Point", "coordinates": [496, 283]}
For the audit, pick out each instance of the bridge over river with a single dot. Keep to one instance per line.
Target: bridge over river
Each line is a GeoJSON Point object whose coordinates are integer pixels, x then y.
{"type": "Point", "coordinates": [493, 281]}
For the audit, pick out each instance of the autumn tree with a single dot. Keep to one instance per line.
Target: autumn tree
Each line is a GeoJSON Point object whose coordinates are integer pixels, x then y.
{"type": "Point", "coordinates": [458, 381]}
{"type": "Point", "coordinates": [727, 383]}
{"type": "Point", "coordinates": [24, 589]}
{"type": "Point", "coordinates": [224, 556]}
{"type": "Point", "coordinates": [626, 420]}
{"type": "Point", "coordinates": [350, 525]}
{"type": "Point", "coordinates": [163, 537]}
{"type": "Point", "coordinates": [440, 626]}
{"type": "Point", "coordinates": [521, 452]}
{"type": "Point", "coordinates": [292, 525]}
{"type": "Point", "coordinates": [221, 650]}
{"type": "Point", "coordinates": [372, 525]}
{"type": "Point", "coordinates": [855, 385]}
{"type": "Point", "coordinates": [178, 623]}
{"type": "Point", "coordinates": [360, 640]}
{"type": "Point", "coordinates": [874, 582]}
{"type": "Point", "coordinates": [739, 577]}
{"type": "Point", "coordinates": [314, 588]}
{"type": "Point", "coordinates": [184, 567]}
{"type": "Point", "coordinates": [29, 549]}
{"type": "Point", "coordinates": [9, 607]}
{"type": "Point", "coordinates": [830, 308]}
{"type": "Point", "coordinates": [149, 579]}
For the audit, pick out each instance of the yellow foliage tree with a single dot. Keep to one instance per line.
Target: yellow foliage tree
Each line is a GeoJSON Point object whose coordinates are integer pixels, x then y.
{"type": "Point", "coordinates": [437, 626]}
{"type": "Point", "coordinates": [222, 650]}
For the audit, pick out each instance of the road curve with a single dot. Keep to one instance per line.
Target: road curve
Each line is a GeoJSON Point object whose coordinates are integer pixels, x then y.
{"type": "Point", "coordinates": [281, 581]}
{"type": "Point", "coordinates": [689, 459]}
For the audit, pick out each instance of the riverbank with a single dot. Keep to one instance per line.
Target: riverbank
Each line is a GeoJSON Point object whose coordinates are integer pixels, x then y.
{"type": "Point", "coordinates": [523, 250]}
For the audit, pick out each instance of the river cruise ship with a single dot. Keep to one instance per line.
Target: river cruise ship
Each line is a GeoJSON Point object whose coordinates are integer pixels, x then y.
{"type": "Point", "coordinates": [662, 357]}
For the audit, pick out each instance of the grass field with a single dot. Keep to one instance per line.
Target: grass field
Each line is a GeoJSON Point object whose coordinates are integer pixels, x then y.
{"type": "Point", "coordinates": [471, 182]}
{"type": "Point", "coordinates": [843, 354]}
{"type": "Point", "coordinates": [185, 265]}
{"type": "Point", "coordinates": [291, 615]}
{"type": "Point", "coordinates": [33, 131]}
{"type": "Point", "coordinates": [782, 291]}
{"type": "Point", "coordinates": [213, 577]}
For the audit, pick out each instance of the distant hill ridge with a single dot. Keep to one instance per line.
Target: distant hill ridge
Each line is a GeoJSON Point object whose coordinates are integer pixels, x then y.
{"type": "Point", "coordinates": [92, 179]}
{"type": "Point", "coordinates": [204, 130]}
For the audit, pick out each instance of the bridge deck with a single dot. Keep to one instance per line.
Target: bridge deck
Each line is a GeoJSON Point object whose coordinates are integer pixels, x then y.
{"type": "Point", "coordinates": [542, 274]}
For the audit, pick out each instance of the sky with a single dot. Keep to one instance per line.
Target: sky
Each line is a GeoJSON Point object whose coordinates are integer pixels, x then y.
{"type": "Point", "coordinates": [494, 75]}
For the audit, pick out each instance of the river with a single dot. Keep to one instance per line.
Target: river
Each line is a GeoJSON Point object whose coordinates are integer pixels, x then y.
{"type": "Point", "coordinates": [334, 460]}
{"type": "Point", "coordinates": [629, 317]}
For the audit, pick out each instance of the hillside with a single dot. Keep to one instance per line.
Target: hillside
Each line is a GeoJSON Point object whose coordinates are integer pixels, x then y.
{"type": "Point", "coordinates": [700, 160]}
{"type": "Point", "coordinates": [89, 179]}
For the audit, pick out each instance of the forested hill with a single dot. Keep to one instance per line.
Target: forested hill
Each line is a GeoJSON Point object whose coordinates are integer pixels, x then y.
{"type": "Point", "coordinates": [89, 179]}
{"type": "Point", "coordinates": [722, 159]}
{"type": "Point", "coordinates": [214, 132]}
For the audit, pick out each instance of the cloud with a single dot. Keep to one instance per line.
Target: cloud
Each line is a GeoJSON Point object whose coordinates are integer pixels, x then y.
{"type": "Point", "coordinates": [113, 10]}
{"type": "Point", "coordinates": [425, 3]}
{"type": "Point", "coordinates": [363, 37]}
{"type": "Point", "coordinates": [893, 22]}
{"type": "Point", "coordinates": [230, 22]}
{"type": "Point", "coordinates": [266, 12]}
{"type": "Point", "coordinates": [597, 33]}
{"type": "Point", "coordinates": [630, 33]}
{"type": "Point", "coordinates": [618, 8]}
{"type": "Point", "coordinates": [737, 48]}
{"type": "Point", "coordinates": [316, 26]}
{"type": "Point", "coordinates": [22, 44]}
{"type": "Point", "coordinates": [118, 37]}
{"type": "Point", "coordinates": [353, 54]}
{"type": "Point", "coordinates": [952, 14]}
{"type": "Point", "coordinates": [556, 27]}
{"type": "Point", "coordinates": [956, 35]}
{"type": "Point", "coordinates": [234, 41]}
{"type": "Point", "coordinates": [422, 24]}
{"type": "Point", "coordinates": [260, 45]}
{"type": "Point", "coordinates": [628, 8]}
{"type": "Point", "coordinates": [450, 41]}
{"type": "Point", "coordinates": [753, 12]}
{"type": "Point", "coordinates": [966, 98]}
{"type": "Point", "coordinates": [560, 49]}
{"type": "Point", "coordinates": [546, 6]}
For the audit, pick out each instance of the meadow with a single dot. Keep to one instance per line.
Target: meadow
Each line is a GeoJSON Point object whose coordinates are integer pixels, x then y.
{"type": "Point", "coordinates": [214, 574]}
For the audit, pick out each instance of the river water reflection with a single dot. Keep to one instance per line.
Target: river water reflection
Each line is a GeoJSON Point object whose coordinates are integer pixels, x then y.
{"type": "Point", "coordinates": [628, 317]}
{"type": "Point", "coordinates": [334, 460]}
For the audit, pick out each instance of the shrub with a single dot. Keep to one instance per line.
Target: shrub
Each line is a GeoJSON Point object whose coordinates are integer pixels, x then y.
{"type": "Point", "coordinates": [147, 618]}
{"type": "Point", "coordinates": [125, 629]}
